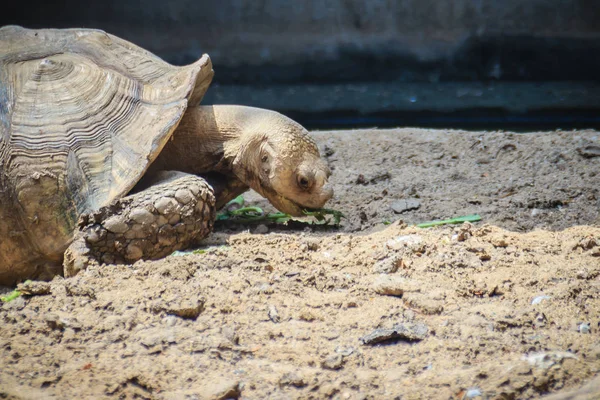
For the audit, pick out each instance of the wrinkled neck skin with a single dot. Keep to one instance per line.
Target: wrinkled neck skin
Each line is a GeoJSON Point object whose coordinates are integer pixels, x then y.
{"type": "Point", "coordinates": [206, 140]}
{"type": "Point", "coordinates": [262, 149]}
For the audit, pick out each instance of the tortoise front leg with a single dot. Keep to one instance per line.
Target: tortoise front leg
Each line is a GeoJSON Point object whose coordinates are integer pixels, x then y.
{"type": "Point", "coordinates": [226, 188]}
{"type": "Point", "coordinates": [174, 212]}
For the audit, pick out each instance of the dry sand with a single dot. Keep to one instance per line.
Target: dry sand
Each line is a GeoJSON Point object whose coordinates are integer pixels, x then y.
{"type": "Point", "coordinates": [508, 308]}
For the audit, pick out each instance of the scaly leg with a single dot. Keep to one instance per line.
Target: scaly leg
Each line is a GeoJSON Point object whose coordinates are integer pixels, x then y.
{"type": "Point", "coordinates": [174, 212]}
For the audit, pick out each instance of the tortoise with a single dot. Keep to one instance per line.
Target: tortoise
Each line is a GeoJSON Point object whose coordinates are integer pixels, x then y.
{"type": "Point", "coordinates": [106, 154]}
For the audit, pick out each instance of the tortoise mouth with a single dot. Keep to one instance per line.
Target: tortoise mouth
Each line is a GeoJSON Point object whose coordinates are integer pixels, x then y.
{"type": "Point", "coordinates": [285, 205]}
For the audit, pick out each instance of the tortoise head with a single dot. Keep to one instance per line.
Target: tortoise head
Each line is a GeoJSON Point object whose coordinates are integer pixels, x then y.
{"type": "Point", "coordinates": [277, 158]}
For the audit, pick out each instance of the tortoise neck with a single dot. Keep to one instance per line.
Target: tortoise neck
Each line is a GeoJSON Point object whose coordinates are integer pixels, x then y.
{"type": "Point", "coordinates": [207, 139]}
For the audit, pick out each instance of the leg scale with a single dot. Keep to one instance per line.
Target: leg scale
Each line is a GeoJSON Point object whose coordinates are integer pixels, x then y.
{"type": "Point", "coordinates": [175, 212]}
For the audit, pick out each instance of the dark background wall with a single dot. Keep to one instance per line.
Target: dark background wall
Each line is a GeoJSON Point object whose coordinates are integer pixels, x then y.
{"type": "Point", "coordinates": [385, 59]}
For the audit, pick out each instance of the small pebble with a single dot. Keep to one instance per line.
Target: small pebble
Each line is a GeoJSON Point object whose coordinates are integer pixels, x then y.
{"type": "Point", "coordinates": [273, 314]}
{"type": "Point", "coordinates": [584, 327]}
{"type": "Point", "coordinates": [388, 265]}
{"type": "Point", "coordinates": [472, 393]}
{"type": "Point", "coordinates": [231, 334]}
{"type": "Point", "coordinates": [345, 351]}
{"type": "Point", "coordinates": [424, 303]}
{"type": "Point", "coordinates": [188, 308]}
{"type": "Point", "coordinates": [546, 360]}
{"type": "Point", "coordinates": [403, 205]}
{"type": "Point", "coordinates": [539, 299]}
{"type": "Point", "coordinates": [170, 320]}
{"type": "Point", "coordinates": [264, 288]}
{"type": "Point", "coordinates": [406, 241]}
{"type": "Point", "coordinates": [261, 229]}
{"type": "Point", "coordinates": [589, 151]}
{"type": "Point", "coordinates": [540, 319]}
{"type": "Point", "coordinates": [333, 362]}
{"type": "Point", "coordinates": [392, 285]}
{"type": "Point", "coordinates": [292, 379]}
{"type": "Point", "coordinates": [54, 322]}
{"type": "Point", "coordinates": [410, 332]}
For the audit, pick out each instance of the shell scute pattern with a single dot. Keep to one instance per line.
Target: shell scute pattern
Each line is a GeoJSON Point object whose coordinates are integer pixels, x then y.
{"type": "Point", "coordinates": [82, 115]}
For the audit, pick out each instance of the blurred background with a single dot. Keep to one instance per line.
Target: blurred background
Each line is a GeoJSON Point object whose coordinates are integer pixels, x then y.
{"type": "Point", "coordinates": [480, 64]}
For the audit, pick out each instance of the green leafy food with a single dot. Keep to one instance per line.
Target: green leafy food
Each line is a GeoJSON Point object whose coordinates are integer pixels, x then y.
{"type": "Point", "coordinates": [256, 214]}
{"type": "Point", "coordinates": [457, 220]}
{"type": "Point", "coordinates": [322, 214]}
{"type": "Point", "coordinates": [11, 296]}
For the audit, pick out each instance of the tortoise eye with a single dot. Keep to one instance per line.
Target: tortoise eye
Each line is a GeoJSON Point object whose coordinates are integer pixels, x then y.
{"type": "Point", "coordinates": [303, 182]}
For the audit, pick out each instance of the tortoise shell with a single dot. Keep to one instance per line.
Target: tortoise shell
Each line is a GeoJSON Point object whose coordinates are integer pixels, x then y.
{"type": "Point", "coordinates": [82, 116]}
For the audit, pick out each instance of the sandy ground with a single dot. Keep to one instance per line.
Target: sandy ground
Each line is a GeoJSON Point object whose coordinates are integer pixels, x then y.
{"type": "Point", "coordinates": [508, 308]}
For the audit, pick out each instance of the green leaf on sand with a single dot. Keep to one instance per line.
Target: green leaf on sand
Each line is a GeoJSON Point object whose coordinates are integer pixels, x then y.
{"type": "Point", "coordinates": [457, 220]}
{"type": "Point", "coordinates": [256, 214]}
{"type": "Point", "coordinates": [11, 296]}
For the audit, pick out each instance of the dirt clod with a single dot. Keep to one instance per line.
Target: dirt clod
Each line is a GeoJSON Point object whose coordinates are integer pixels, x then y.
{"type": "Point", "coordinates": [404, 331]}
{"type": "Point", "coordinates": [188, 308]}
{"type": "Point", "coordinates": [400, 206]}
{"type": "Point", "coordinates": [274, 314]}
{"type": "Point", "coordinates": [333, 362]}
{"type": "Point", "coordinates": [34, 288]}
{"type": "Point", "coordinates": [394, 285]}
{"type": "Point", "coordinates": [292, 379]}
